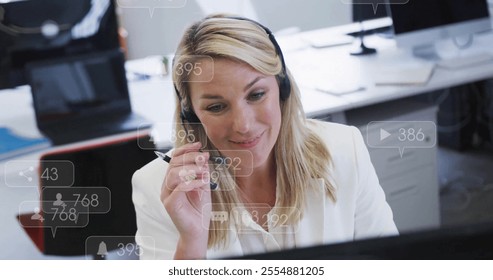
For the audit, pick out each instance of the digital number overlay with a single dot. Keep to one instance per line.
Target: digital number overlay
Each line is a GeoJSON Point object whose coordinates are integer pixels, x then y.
{"type": "Point", "coordinates": [239, 163]}
{"type": "Point", "coordinates": [66, 207]}
{"type": "Point", "coordinates": [401, 135]}
{"type": "Point", "coordinates": [249, 218]}
{"type": "Point", "coordinates": [68, 215]}
{"type": "Point", "coordinates": [31, 173]}
{"type": "Point", "coordinates": [121, 246]}
{"type": "Point", "coordinates": [164, 134]}
{"type": "Point", "coordinates": [196, 68]}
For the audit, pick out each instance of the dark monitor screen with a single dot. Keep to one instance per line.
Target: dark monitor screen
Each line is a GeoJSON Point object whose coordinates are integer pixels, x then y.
{"type": "Point", "coordinates": [368, 9]}
{"type": "Point", "coordinates": [469, 242]}
{"type": "Point", "coordinates": [421, 14]}
{"type": "Point", "coordinates": [421, 22]}
{"type": "Point", "coordinates": [35, 30]}
{"type": "Point", "coordinates": [79, 87]}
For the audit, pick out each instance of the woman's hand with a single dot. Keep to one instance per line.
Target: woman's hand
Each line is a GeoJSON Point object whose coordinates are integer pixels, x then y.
{"type": "Point", "coordinates": [186, 195]}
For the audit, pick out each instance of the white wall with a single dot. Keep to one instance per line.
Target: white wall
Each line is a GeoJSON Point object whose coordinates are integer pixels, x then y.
{"type": "Point", "coordinates": [305, 14]}
{"type": "Point", "coordinates": [238, 7]}
{"type": "Point", "coordinates": [159, 34]}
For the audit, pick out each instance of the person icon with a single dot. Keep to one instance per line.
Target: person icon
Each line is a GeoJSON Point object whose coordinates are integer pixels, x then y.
{"type": "Point", "coordinates": [59, 201]}
{"type": "Point", "coordinates": [36, 215]}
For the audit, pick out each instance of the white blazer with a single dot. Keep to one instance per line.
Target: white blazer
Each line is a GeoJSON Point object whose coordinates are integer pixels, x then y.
{"type": "Point", "coordinates": [360, 211]}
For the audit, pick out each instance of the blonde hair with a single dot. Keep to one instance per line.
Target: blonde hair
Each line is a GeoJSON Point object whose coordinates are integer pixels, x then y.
{"type": "Point", "coordinates": [299, 153]}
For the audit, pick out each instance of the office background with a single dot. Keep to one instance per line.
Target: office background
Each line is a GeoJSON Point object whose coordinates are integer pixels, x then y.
{"type": "Point", "coordinates": [170, 23]}
{"type": "Point", "coordinates": [465, 182]}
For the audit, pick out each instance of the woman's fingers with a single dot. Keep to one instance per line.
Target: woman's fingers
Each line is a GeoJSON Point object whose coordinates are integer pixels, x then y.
{"type": "Point", "coordinates": [185, 174]}
{"type": "Point", "coordinates": [192, 147]}
{"type": "Point", "coordinates": [202, 189]}
{"type": "Point", "coordinates": [187, 164]}
{"type": "Point", "coordinates": [191, 157]}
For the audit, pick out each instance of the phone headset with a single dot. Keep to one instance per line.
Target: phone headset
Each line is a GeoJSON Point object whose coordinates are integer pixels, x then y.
{"type": "Point", "coordinates": [282, 78]}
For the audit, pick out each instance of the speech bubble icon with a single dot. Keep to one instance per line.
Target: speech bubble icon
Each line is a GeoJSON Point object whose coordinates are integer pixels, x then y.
{"type": "Point", "coordinates": [374, 3]}
{"type": "Point", "coordinates": [151, 5]}
{"type": "Point", "coordinates": [96, 200]}
{"type": "Point", "coordinates": [194, 68]}
{"type": "Point", "coordinates": [401, 134]}
{"type": "Point", "coordinates": [119, 247]}
{"type": "Point", "coordinates": [278, 218]}
{"type": "Point", "coordinates": [56, 173]}
{"type": "Point", "coordinates": [145, 138]}
{"type": "Point", "coordinates": [225, 163]}
{"type": "Point", "coordinates": [53, 217]}
{"type": "Point", "coordinates": [187, 176]}
{"type": "Point", "coordinates": [165, 134]}
{"type": "Point", "coordinates": [21, 173]}
{"type": "Point", "coordinates": [31, 173]}
{"type": "Point", "coordinates": [72, 215]}
{"type": "Point", "coordinates": [219, 216]}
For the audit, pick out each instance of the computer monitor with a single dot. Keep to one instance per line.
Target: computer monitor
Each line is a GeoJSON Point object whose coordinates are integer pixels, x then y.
{"type": "Point", "coordinates": [467, 242]}
{"type": "Point", "coordinates": [418, 24]}
{"type": "Point", "coordinates": [368, 10]}
{"type": "Point", "coordinates": [363, 10]}
{"type": "Point", "coordinates": [35, 30]}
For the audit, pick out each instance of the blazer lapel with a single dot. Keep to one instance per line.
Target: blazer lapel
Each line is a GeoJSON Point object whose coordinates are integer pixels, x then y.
{"type": "Point", "coordinates": [310, 230]}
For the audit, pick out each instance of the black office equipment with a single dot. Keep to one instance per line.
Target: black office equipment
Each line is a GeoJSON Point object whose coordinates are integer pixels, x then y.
{"type": "Point", "coordinates": [471, 242]}
{"type": "Point", "coordinates": [366, 10]}
{"type": "Point", "coordinates": [34, 30]}
{"type": "Point", "coordinates": [456, 117]}
{"type": "Point", "coordinates": [82, 97]}
{"type": "Point", "coordinates": [485, 111]}
{"type": "Point", "coordinates": [101, 172]}
{"type": "Point", "coordinates": [419, 24]}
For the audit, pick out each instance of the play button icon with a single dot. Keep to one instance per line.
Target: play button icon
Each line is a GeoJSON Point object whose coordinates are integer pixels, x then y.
{"type": "Point", "coordinates": [383, 134]}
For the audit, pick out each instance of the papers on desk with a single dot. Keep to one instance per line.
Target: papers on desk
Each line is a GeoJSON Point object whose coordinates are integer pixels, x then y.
{"type": "Point", "coordinates": [314, 39]}
{"type": "Point", "coordinates": [328, 40]}
{"type": "Point", "coordinates": [12, 145]}
{"type": "Point", "coordinates": [467, 60]}
{"type": "Point", "coordinates": [405, 74]}
{"type": "Point", "coordinates": [338, 88]}
{"type": "Point", "coordinates": [146, 68]}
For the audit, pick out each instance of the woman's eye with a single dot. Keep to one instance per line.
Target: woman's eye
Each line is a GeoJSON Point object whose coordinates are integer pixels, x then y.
{"type": "Point", "coordinates": [256, 95]}
{"type": "Point", "coordinates": [215, 108]}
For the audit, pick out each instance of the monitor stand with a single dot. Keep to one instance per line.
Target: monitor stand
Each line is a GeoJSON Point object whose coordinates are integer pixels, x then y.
{"type": "Point", "coordinates": [362, 49]}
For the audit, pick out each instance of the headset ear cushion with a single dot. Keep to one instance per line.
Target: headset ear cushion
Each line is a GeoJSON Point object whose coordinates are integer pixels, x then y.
{"type": "Point", "coordinates": [284, 87]}
{"type": "Point", "coordinates": [189, 116]}
{"type": "Point", "coordinates": [186, 115]}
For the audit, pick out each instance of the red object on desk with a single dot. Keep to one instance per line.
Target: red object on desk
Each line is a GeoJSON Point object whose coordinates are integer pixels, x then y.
{"type": "Point", "coordinates": [34, 229]}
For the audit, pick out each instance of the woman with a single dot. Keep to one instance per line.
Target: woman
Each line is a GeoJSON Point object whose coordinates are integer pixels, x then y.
{"type": "Point", "coordinates": [283, 181]}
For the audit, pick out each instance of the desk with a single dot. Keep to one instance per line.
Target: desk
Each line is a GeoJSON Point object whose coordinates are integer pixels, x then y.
{"type": "Point", "coordinates": [154, 99]}
{"type": "Point", "coordinates": [309, 65]}
{"type": "Point", "coordinates": [410, 181]}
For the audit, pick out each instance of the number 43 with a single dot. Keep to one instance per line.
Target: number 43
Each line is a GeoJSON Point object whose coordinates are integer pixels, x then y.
{"type": "Point", "coordinates": [50, 174]}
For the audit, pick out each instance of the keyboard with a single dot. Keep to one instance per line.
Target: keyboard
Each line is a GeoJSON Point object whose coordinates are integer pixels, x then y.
{"type": "Point", "coordinates": [465, 60]}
